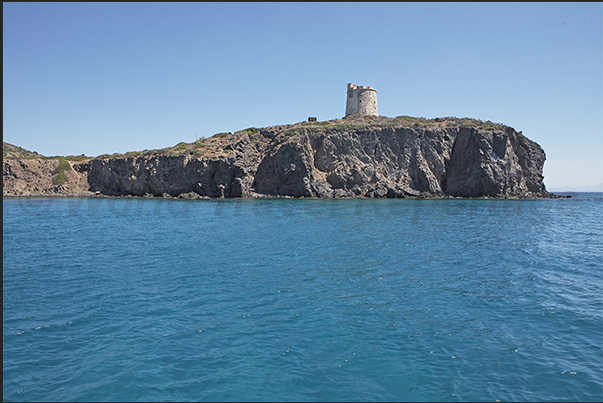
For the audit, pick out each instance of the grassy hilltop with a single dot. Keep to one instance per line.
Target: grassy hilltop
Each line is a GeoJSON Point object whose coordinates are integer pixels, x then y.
{"type": "Point", "coordinates": [12, 152]}
{"type": "Point", "coordinates": [212, 146]}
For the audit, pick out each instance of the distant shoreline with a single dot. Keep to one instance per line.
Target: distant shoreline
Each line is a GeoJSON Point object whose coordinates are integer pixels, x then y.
{"type": "Point", "coordinates": [264, 197]}
{"type": "Point", "coordinates": [579, 189]}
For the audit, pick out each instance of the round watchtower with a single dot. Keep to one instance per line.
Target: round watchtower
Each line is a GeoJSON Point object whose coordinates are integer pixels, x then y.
{"type": "Point", "coordinates": [362, 101]}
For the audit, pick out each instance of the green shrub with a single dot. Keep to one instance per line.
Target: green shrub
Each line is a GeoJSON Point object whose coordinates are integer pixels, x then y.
{"type": "Point", "coordinates": [62, 167]}
{"type": "Point", "coordinates": [180, 146]}
{"type": "Point", "coordinates": [80, 157]}
{"type": "Point", "coordinates": [393, 122]}
{"type": "Point", "coordinates": [346, 126]}
{"type": "Point", "coordinates": [220, 135]}
{"type": "Point", "coordinates": [60, 179]}
{"type": "Point", "coordinates": [292, 131]}
{"type": "Point", "coordinates": [250, 131]}
{"type": "Point", "coordinates": [493, 126]}
{"type": "Point", "coordinates": [470, 122]}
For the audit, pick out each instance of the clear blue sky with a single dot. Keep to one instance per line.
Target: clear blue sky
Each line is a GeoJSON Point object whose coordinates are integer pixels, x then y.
{"type": "Point", "coordinates": [95, 78]}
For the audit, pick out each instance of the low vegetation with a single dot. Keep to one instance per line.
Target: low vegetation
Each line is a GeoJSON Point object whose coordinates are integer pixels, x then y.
{"type": "Point", "coordinates": [62, 167]}
{"type": "Point", "coordinates": [10, 151]}
{"type": "Point", "coordinates": [80, 157]}
{"type": "Point", "coordinates": [220, 135]}
{"type": "Point", "coordinates": [60, 177]}
{"type": "Point", "coordinates": [220, 143]}
{"type": "Point", "coordinates": [399, 121]}
{"type": "Point", "coordinates": [250, 131]}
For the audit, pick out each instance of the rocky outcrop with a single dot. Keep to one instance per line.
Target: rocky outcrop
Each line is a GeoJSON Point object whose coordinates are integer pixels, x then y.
{"type": "Point", "coordinates": [494, 163]}
{"type": "Point", "coordinates": [174, 175]}
{"type": "Point", "coordinates": [38, 177]}
{"type": "Point", "coordinates": [341, 159]}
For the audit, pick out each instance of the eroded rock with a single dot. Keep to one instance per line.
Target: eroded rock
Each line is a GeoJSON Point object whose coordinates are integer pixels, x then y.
{"type": "Point", "coordinates": [372, 159]}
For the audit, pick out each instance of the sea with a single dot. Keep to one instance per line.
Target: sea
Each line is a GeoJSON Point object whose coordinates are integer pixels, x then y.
{"type": "Point", "coordinates": [131, 299]}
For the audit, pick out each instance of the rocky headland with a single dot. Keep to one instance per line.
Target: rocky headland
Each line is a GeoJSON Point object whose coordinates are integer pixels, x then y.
{"type": "Point", "coordinates": [353, 157]}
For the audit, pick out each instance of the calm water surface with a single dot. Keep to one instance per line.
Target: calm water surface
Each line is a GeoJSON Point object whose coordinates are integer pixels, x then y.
{"type": "Point", "coordinates": [227, 300]}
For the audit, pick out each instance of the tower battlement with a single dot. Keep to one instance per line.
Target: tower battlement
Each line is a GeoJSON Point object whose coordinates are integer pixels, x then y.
{"type": "Point", "coordinates": [361, 101]}
{"type": "Point", "coordinates": [359, 87]}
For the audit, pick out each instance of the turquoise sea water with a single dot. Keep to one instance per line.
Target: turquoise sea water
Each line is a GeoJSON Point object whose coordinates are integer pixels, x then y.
{"type": "Point", "coordinates": [294, 300]}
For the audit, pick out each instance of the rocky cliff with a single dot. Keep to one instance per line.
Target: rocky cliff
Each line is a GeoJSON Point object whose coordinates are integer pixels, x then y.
{"type": "Point", "coordinates": [360, 157]}
{"type": "Point", "coordinates": [43, 177]}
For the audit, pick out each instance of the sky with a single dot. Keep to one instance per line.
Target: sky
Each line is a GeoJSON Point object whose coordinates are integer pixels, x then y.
{"type": "Point", "coordinates": [100, 78]}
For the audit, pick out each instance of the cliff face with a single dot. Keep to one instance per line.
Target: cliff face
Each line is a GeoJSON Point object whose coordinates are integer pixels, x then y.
{"type": "Point", "coordinates": [399, 162]}
{"type": "Point", "coordinates": [339, 160]}
{"type": "Point", "coordinates": [173, 175]}
{"type": "Point", "coordinates": [38, 177]}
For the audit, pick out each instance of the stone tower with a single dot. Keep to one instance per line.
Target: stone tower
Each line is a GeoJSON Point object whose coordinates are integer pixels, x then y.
{"type": "Point", "coordinates": [362, 101]}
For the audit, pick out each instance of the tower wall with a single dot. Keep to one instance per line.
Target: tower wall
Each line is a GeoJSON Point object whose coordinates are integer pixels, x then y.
{"type": "Point", "coordinates": [361, 101]}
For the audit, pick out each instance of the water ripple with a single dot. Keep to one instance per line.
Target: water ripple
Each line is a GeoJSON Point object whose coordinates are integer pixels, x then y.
{"type": "Point", "coordinates": [255, 300]}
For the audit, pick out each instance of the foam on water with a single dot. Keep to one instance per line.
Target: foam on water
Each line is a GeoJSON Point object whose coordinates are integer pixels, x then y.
{"type": "Point", "coordinates": [142, 299]}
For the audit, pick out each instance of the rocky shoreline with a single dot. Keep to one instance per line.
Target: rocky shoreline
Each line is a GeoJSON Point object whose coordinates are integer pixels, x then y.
{"type": "Point", "coordinates": [374, 157]}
